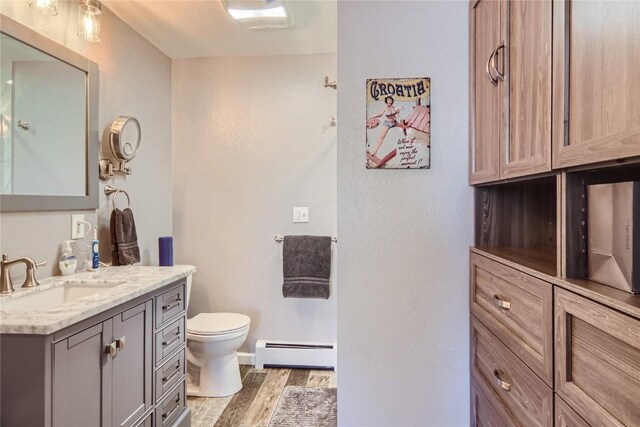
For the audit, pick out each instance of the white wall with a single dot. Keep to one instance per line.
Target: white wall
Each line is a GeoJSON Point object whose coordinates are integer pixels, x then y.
{"type": "Point", "coordinates": [404, 235]}
{"type": "Point", "coordinates": [135, 79]}
{"type": "Point", "coordinates": [252, 140]}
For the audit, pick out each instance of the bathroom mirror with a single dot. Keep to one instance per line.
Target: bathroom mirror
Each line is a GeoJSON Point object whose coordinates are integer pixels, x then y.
{"type": "Point", "coordinates": [48, 123]}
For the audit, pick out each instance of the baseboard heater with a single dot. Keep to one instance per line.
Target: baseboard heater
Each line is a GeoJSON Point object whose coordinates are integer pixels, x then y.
{"type": "Point", "coordinates": [287, 354]}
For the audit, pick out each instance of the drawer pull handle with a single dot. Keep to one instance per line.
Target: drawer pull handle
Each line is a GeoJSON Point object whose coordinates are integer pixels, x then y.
{"type": "Point", "coordinates": [120, 343]}
{"type": "Point", "coordinates": [500, 381]}
{"type": "Point", "coordinates": [171, 341]}
{"type": "Point", "coordinates": [488, 71]}
{"type": "Point", "coordinates": [505, 305]}
{"type": "Point", "coordinates": [173, 375]}
{"type": "Point", "coordinates": [171, 306]}
{"type": "Point", "coordinates": [172, 411]}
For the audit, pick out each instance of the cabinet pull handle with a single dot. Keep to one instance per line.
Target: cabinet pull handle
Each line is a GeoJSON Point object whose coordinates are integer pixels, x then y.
{"type": "Point", "coordinates": [111, 349]}
{"type": "Point", "coordinates": [503, 304]}
{"type": "Point", "coordinates": [172, 340]}
{"type": "Point", "coordinates": [171, 306]}
{"type": "Point", "coordinates": [493, 62]}
{"type": "Point", "coordinates": [499, 381]}
{"type": "Point", "coordinates": [173, 375]}
{"type": "Point", "coordinates": [488, 71]}
{"type": "Point", "coordinates": [120, 343]}
{"type": "Point", "coordinates": [172, 411]}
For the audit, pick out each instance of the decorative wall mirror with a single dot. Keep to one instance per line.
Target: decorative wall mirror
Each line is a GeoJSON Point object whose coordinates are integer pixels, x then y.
{"type": "Point", "coordinates": [48, 124]}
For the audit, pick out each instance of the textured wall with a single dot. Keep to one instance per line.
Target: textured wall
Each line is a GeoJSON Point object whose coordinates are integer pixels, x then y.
{"type": "Point", "coordinates": [404, 235]}
{"type": "Point", "coordinates": [135, 79]}
{"type": "Point", "coordinates": [251, 140]}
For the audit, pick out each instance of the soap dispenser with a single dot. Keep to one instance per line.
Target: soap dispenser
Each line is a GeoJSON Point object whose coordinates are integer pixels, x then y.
{"type": "Point", "coordinates": [68, 261]}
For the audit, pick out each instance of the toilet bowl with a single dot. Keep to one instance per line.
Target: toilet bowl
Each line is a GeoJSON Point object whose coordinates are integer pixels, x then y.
{"type": "Point", "coordinates": [213, 340]}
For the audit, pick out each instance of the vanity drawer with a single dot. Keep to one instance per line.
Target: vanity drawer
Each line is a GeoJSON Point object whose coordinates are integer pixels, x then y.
{"type": "Point", "coordinates": [597, 361]}
{"type": "Point", "coordinates": [170, 304]}
{"type": "Point", "coordinates": [168, 410]}
{"type": "Point", "coordinates": [169, 374]}
{"type": "Point", "coordinates": [487, 412]}
{"type": "Point", "coordinates": [146, 421]}
{"type": "Point", "coordinates": [517, 308]}
{"type": "Point", "coordinates": [169, 339]}
{"type": "Point", "coordinates": [503, 376]}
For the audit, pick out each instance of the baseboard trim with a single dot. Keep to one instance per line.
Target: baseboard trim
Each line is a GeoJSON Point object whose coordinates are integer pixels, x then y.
{"type": "Point", "coordinates": [247, 358]}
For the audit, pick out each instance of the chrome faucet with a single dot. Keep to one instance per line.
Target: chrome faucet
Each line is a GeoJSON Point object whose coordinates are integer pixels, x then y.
{"type": "Point", "coordinates": [6, 287]}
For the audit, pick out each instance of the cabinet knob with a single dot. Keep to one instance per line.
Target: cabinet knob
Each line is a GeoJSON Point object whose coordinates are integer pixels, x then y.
{"type": "Point", "coordinates": [120, 342]}
{"type": "Point", "coordinates": [111, 349]}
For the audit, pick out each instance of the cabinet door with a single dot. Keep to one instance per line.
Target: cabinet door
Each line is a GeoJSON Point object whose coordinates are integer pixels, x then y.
{"type": "Point", "coordinates": [486, 103]}
{"type": "Point", "coordinates": [527, 149]}
{"type": "Point", "coordinates": [596, 104]}
{"type": "Point", "coordinates": [133, 365]}
{"type": "Point", "coordinates": [81, 378]}
{"type": "Point", "coordinates": [597, 361]}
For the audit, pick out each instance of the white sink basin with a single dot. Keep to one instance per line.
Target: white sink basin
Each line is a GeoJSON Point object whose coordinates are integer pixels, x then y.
{"type": "Point", "coordinates": [70, 291]}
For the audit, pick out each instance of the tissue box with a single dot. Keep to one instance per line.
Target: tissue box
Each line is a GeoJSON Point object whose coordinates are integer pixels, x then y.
{"type": "Point", "coordinates": [614, 228]}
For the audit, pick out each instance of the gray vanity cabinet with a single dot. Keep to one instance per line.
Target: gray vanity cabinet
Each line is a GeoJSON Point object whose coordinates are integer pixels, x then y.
{"type": "Point", "coordinates": [109, 366]}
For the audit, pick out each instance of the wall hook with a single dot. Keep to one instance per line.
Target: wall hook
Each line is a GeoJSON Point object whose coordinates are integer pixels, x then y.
{"type": "Point", "coordinates": [327, 83]}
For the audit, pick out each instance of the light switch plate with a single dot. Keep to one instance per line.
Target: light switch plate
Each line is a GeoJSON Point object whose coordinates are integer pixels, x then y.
{"type": "Point", "coordinates": [300, 214]}
{"type": "Point", "coordinates": [77, 228]}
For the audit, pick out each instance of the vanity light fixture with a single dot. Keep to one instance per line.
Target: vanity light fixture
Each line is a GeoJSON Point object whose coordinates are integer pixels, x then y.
{"type": "Point", "coordinates": [259, 14]}
{"type": "Point", "coordinates": [47, 7]}
{"type": "Point", "coordinates": [89, 12]}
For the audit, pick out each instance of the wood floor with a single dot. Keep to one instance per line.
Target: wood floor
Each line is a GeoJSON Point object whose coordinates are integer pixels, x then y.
{"type": "Point", "coordinates": [255, 403]}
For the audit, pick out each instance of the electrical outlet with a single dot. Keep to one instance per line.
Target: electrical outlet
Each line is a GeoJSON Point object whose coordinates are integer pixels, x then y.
{"type": "Point", "coordinates": [77, 227]}
{"type": "Point", "coordinates": [300, 214]}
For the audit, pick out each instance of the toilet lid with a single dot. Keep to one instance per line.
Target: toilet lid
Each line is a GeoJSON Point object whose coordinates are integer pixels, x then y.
{"type": "Point", "coordinates": [217, 323]}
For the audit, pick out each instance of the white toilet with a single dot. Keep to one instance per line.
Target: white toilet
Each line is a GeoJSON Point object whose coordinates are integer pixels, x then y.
{"type": "Point", "coordinates": [213, 340]}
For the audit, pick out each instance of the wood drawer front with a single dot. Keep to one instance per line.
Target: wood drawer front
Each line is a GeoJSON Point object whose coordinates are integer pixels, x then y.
{"type": "Point", "coordinates": [170, 339]}
{"type": "Point", "coordinates": [527, 398]}
{"type": "Point", "coordinates": [597, 361]}
{"type": "Point", "coordinates": [169, 374]}
{"type": "Point", "coordinates": [567, 417]}
{"type": "Point", "coordinates": [486, 412]}
{"type": "Point", "coordinates": [170, 304]}
{"type": "Point", "coordinates": [170, 408]}
{"type": "Point", "coordinates": [525, 325]}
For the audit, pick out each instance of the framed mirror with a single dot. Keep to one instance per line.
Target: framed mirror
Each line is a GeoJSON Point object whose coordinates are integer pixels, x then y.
{"type": "Point", "coordinates": [49, 137]}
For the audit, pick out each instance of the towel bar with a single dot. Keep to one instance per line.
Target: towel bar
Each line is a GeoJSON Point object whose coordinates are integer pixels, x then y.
{"type": "Point", "coordinates": [280, 238]}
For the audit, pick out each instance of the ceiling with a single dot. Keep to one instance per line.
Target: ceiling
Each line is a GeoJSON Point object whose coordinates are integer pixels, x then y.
{"type": "Point", "coordinates": [202, 28]}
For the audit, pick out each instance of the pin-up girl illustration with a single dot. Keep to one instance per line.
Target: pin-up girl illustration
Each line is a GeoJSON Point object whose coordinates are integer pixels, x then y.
{"type": "Point", "coordinates": [391, 120]}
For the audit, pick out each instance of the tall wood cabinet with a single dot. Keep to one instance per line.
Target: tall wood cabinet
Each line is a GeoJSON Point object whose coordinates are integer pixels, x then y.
{"type": "Point", "coordinates": [555, 102]}
{"type": "Point", "coordinates": [510, 54]}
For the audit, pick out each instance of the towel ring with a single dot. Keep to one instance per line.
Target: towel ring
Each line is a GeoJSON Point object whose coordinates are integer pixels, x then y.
{"type": "Point", "coordinates": [109, 190]}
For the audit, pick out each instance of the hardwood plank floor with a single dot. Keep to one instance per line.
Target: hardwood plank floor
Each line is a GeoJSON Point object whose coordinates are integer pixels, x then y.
{"type": "Point", "coordinates": [253, 406]}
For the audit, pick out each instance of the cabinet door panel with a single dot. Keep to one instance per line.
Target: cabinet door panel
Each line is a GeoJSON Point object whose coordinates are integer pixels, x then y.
{"type": "Point", "coordinates": [79, 391]}
{"type": "Point", "coordinates": [597, 73]}
{"type": "Point", "coordinates": [133, 364]}
{"type": "Point", "coordinates": [528, 147]}
{"type": "Point", "coordinates": [597, 361]}
{"type": "Point", "coordinates": [487, 119]}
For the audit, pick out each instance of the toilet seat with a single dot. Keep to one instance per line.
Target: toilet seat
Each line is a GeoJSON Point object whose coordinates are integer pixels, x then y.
{"type": "Point", "coordinates": [215, 324]}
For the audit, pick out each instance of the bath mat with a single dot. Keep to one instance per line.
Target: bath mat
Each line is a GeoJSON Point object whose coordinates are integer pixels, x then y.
{"type": "Point", "coordinates": [306, 406]}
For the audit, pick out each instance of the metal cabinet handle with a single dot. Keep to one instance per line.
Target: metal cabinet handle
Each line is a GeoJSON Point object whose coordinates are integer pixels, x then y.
{"type": "Point", "coordinates": [500, 381]}
{"type": "Point", "coordinates": [111, 349]}
{"type": "Point", "coordinates": [493, 62]}
{"type": "Point", "coordinates": [488, 71]}
{"type": "Point", "coordinates": [172, 411]}
{"type": "Point", "coordinates": [120, 342]}
{"type": "Point", "coordinates": [503, 304]}
{"type": "Point", "coordinates": [172, 375]}
{"type": "Point", "coordinates": [172, 340]}
{"type": "Point", "coordinates": [172, 305]}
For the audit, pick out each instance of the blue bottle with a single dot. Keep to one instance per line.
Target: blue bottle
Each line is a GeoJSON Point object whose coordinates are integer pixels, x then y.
{"type": "Point", "coordinates": [95, 256]}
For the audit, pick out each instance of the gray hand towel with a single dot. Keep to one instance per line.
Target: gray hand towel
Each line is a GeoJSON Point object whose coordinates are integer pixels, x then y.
{"type": "Point", "coordinates": [124, 238]}
{"type": "Point", "coordinates": [306, 266]}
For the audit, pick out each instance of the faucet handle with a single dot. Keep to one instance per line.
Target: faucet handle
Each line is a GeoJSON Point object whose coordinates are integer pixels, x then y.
{"type": "Point", "coordinates": [5, 257]}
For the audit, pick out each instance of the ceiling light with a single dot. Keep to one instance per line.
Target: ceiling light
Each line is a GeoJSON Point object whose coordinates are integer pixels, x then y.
{"type": "Point", "coordinates": [47, 7]}
{"type": "Point", "coordinates": [89, 12]}
{"type": "Point", "coordinates": [259, 14]}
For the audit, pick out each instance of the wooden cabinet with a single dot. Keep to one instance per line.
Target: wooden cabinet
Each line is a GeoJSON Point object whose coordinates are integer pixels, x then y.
{"type": "Point", "coordinates": [101, 371]}
{"type": "Point", "coordinates": [597, 360]}
{"type": "Point", "coordinates": [510, 56]}
{"type": "Point", "coordinates": [596, 73]}
{"type": "Point", "coordinates": [102, 380]}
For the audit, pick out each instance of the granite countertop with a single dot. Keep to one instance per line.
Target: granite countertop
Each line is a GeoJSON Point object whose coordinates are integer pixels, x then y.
{"type": "Point", "coordinates": [127, 283]}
